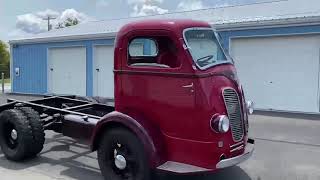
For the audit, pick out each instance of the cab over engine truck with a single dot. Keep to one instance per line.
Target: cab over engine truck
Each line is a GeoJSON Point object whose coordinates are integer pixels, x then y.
{"type": "Point", "coordinates": [179, 107]}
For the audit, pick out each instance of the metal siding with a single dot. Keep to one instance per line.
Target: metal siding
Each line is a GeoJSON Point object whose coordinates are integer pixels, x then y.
{"type": "Point", "coordinates": [277, 31]}
{"type": "Point", "coordinates": [147, 47]}
{"type": "Point", "coordinates": [32, 61]}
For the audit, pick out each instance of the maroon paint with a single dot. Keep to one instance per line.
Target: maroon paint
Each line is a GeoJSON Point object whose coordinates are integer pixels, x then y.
{"type": "Point", "coordinates": [173, 122]}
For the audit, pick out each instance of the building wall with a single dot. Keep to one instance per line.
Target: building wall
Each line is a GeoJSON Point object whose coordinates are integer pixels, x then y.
{"type": "Point", "coordinates": [267, 58]}
{"type": "Point", "coordinates": [227, 36]}
{"type": "Point", "coordinates": [33, 63]}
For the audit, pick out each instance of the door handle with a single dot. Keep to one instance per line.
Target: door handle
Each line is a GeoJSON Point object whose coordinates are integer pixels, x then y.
{"type": "Point", "coordinates": [188, 86]}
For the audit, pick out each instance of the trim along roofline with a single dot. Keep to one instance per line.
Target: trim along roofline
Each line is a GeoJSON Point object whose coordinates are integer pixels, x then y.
{"type": "Point", "coordinates": [64, 38]}
{"type": "Point", "coordinates": [272, 23]}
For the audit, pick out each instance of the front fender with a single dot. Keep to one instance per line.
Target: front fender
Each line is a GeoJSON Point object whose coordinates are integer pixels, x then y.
{"type": "Point", "coordinates": [149, 135]}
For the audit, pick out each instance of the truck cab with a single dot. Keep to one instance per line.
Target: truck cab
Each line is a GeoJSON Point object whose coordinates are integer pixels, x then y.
{"type": "Point", "coordinates": [175, 76]}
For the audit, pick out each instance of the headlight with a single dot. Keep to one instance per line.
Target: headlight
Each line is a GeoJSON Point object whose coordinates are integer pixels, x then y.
{"type": "Point", "coordinates": [250, 107]}
{"type": "Point", "coordinates": [220, 124]}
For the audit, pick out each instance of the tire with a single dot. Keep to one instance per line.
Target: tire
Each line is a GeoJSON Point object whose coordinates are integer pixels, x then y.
{"type": "Point", "coordinates": [122, 142]}
{"type": "Point", "coordinates": [37, 130]}
{"type": "Point", "coordinates": [15, 148]}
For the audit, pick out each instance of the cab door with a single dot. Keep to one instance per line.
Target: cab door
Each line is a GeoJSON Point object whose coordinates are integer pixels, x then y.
{"type": "Point", "coordinates": [157, 83]}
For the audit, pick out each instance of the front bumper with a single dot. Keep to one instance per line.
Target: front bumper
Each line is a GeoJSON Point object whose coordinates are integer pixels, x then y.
{"type": "Point", "coordinates": [182, 168]}
{"type": "Point", "coordinates": [238, 159]}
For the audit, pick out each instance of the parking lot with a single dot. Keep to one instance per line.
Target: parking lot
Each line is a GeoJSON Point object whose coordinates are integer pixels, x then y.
{"type": "Point", "coordinates": [287, 148]}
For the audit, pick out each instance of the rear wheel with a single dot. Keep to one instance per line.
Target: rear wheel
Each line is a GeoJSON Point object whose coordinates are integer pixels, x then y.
{"type": "Point", "coordinates": [121, 156]}
{"type": "Point", "coordinates": [15, 135]}
{"type": "Point", "coordinates": [37, 130]}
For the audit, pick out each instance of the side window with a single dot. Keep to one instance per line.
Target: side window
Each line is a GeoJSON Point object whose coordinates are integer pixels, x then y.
{"type": "Point", "coordinates": [153, 52]}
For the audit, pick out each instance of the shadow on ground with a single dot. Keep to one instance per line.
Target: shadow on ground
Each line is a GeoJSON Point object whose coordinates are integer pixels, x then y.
{"type": "Point", "coordinates": [66, 158]}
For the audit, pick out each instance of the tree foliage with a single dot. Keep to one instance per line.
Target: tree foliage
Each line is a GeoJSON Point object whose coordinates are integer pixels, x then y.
{"type": "Point", "coordinates": [68, 22]}
{"type": "Point", "coordinates": [4, 58]}
{"type": "Point", "coordinates": [71, 22]}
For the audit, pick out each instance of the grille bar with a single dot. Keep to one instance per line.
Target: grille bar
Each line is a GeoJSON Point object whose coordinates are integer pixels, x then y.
{"type": "Point", "coordinates": [232, 102]}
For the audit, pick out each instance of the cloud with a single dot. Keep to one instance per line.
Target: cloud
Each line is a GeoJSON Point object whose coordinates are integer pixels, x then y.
{"type": "Point", "coordinates": [73, 14]}
{"type": "Point", "coordinates": [188, 5]}
{"type": "Point", "coordinates": [145, 10]}
{"type": "Point", "coordinates": [47, 12]}
{"type": "Point", "coordinates": [146, 7]}
{"type": "Point", "coordinates": [34, 23]}
{"type": "Point", "coordinates": [30, 23]}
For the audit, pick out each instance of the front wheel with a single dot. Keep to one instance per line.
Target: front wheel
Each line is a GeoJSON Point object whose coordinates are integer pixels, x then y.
{"type": "Point", "coordinates": [121, 156]}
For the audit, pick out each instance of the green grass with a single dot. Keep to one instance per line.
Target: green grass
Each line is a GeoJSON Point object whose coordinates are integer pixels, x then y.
{"type": "Point", "coordinates": [6, 81]}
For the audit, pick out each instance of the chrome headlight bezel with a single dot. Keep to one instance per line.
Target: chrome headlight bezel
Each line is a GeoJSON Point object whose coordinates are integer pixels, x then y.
{"type": "Point", "coordinates": [224, 124]}
{"type": "Point", "coordinates": [220, 124]}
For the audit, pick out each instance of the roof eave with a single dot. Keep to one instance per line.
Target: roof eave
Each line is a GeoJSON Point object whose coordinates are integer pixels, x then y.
{"type": "Point", "coordinates": [64, 38]}
{"type": "Point", "coordinates": [272, 23]}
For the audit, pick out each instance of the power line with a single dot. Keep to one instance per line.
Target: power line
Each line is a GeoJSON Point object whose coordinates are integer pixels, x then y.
{"type": "Point", "coordinates": [48, 19]}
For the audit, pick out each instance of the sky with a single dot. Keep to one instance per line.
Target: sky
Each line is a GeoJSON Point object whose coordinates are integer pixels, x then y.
{"type": "Point", "coordinates": [24, 17]}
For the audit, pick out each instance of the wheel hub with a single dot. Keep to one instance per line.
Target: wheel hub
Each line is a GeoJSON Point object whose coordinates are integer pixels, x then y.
{"type": "Point", "coordinates": [14, 134]}
{"type": "Point", "coordinates": [120, 162]}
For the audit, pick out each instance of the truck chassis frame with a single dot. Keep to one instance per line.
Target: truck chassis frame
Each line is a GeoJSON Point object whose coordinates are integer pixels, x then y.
{"type": "Point", "coordinates": [52, 110]}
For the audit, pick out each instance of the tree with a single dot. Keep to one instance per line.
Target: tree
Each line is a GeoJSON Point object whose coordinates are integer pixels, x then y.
{"type": "Point", "coordinates": [71, 22]}
{"type": "Point", "coordinates": [68, 22]}
{"type": "Point", "coordinates": [4, 59]}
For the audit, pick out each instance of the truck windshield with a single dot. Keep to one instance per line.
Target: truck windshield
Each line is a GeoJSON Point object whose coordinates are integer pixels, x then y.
{"type": "Point", "coordinates": [205, 48]}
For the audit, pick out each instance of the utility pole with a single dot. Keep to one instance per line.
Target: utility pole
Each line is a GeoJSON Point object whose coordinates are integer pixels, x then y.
{"type": "Point", "coordinates": [48, 19]}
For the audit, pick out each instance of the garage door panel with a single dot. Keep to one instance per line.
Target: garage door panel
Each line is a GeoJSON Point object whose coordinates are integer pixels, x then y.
{"type": "Point", "coordinates": [279, 73]}
{"type": "Point", "coordinates": [67, 70]}
{"type": "Point", "coordinates": [103, 72]}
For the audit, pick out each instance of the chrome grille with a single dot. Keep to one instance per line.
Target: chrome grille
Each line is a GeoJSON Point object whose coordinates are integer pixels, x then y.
{"type": "Point", "coordinates": [232, 102]}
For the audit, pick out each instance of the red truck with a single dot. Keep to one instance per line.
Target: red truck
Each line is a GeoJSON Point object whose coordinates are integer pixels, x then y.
{"type": "Point", "coordinates": [179, 107]}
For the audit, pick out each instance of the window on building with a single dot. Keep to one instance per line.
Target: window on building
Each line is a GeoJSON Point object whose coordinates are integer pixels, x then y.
{"type": "Point", "coordinates": [143, 47]}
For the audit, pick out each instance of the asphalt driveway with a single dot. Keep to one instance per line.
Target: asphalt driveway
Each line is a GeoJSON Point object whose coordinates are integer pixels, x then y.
{"type": "Point", "coordinates": [287, 148]}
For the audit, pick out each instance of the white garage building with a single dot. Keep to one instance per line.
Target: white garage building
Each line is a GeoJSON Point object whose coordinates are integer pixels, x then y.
{"type": "Point", "coordinates": [276, 47]}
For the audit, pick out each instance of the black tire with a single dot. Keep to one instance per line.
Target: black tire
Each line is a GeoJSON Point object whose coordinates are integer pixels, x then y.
{"type": "Point", "coordinates": [37, 130]}
{"type": "Point", "coordinates": [18, 148]}
{"type": "Point", "coordinates": [122, 142]}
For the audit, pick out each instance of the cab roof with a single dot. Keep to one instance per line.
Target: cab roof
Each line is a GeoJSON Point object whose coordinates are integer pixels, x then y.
{"type": "Point", "coordinates": [166, 24]}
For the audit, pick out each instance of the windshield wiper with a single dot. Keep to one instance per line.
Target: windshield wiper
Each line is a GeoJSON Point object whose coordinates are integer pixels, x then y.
{"type": "Point", "coordinates": [204, 59]}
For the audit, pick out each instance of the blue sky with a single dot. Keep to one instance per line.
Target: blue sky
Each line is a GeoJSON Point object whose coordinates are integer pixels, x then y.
{"type": "Point", "coordinates": [23, 17]}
